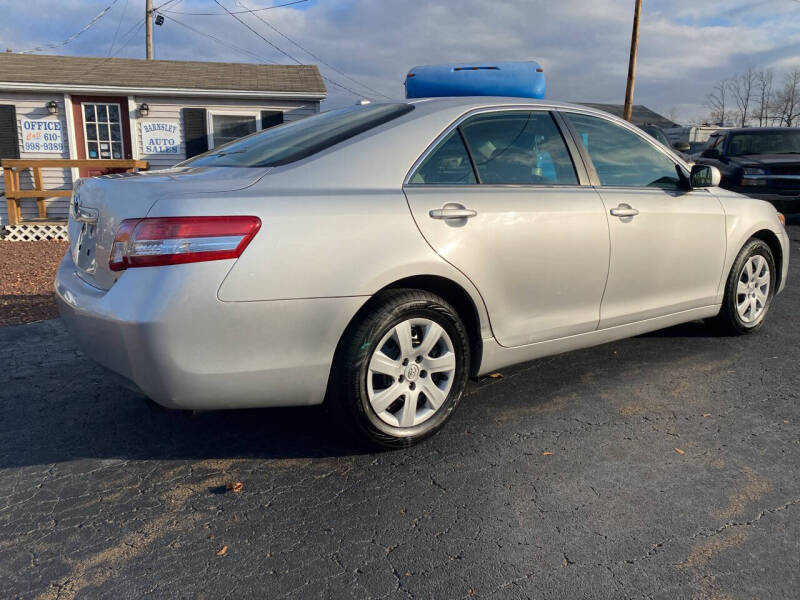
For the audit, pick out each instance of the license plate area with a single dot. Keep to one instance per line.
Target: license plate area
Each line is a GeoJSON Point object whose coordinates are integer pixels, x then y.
{"type": "Point", "coordinates": [83, 250]}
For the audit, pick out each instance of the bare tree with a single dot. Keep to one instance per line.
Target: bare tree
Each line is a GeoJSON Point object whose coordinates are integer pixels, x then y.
{"type": "Point", "coordinates": [787, 99]}
{"type": "Point", "coordinates": [764, 79]}
{"type": "Point", "coordinates": [741, 88]}
{"type": "Point", "coordinates": [718, 101]}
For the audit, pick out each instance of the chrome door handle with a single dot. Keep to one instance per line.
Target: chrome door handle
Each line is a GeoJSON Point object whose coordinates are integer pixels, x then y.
{"type": "Point", "coordinates": [624, 210]}
{"type": "Point", "coordinates": [451, 212]}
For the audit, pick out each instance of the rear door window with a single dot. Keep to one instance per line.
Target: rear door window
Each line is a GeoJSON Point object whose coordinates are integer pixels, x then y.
{"type": "Point", "coordinates": [519, 147]}
{"type": "Point", "coordinates": [505, 147]}
{"type": "Point", "coordinates": [448, 164]}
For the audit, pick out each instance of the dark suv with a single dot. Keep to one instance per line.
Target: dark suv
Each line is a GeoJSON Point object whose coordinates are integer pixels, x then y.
{"type": "Point", "coordinates": [762, 162]}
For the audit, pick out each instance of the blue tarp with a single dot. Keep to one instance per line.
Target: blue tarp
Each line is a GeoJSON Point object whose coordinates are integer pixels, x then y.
{"type": "Point", "coordinates": [524, 79]}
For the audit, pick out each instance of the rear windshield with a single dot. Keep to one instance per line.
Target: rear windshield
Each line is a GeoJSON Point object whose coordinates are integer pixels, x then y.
{"type": "Point", "coordinates": [296, 140]}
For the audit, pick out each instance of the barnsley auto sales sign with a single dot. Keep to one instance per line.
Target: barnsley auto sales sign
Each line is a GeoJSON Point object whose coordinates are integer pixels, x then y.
{"type": "Point", "coordinates": [161, 137]}
{"type": "Point", "coordinates": [42, 135]}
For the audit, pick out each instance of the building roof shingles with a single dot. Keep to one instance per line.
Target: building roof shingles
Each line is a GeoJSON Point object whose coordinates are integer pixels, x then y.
{"type": "Point", "coordinates": [640, 114]}
{"type": "Point", "coordinates": [135, 73]}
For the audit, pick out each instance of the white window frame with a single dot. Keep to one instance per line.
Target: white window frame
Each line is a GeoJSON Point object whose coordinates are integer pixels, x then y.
{"type": "Point", "coordinates": [86, 139]}
{"type": "Point", "coordinates": [256, 114]}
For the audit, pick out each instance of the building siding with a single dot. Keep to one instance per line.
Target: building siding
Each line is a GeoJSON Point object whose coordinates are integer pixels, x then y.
{"type": "Point", "coordinates": [33, 105]}
{"type": "Point", "coordinates": [171, 109]}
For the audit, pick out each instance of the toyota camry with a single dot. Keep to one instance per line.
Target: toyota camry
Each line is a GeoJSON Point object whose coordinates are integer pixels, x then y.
{"type": "Point", "coordinates": [377, 256]}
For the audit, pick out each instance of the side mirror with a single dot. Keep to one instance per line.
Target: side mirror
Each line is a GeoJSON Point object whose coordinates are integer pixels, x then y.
{"type": "Point", "coordinates": [704, 176]}
{"type": "Point", "coordinates": [710, 153]}
{"type": "Point", "coordinates": [681, 146]}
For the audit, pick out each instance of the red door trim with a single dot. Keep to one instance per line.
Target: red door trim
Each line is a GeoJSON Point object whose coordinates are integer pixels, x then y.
{"type": "Point", "coordinates": [80, 141]}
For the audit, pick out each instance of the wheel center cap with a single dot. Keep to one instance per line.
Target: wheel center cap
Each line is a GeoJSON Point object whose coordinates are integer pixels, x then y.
{"type": "Point", "coordinates": [412, 372]}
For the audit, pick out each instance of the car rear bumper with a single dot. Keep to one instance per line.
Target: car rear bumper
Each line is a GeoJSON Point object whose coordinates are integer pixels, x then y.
{"type": "Point", "coordinates": [164, 330]}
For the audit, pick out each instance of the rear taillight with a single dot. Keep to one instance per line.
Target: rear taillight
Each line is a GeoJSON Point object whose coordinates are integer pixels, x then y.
{"type": "Point", "coordinates": [175, 240]}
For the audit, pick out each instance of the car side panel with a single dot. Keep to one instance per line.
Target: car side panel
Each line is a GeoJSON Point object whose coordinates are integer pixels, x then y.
{"type": "Point", "coordinates": [538, 254]}
{"type": "Point", "coordinates": [314, 244]}
{"type": "Point", "coordinates": [744, 217]}
{"type": "Point", "coordinates": [664, 260]}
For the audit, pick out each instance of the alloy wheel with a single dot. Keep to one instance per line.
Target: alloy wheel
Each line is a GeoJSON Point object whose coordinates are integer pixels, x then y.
{"type": "Point", "coordinates": [410, 372]}
{"type": "Point", "coordinates": [752, 289]}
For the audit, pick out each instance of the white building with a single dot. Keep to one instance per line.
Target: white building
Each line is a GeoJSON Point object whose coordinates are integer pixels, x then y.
{"type": "Point", "coordinates": [161, 111]}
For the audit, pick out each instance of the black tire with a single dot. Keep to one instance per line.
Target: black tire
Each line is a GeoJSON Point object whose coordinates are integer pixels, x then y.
{"type": "Point", "coordinates": [728, 321]}
{"type": "Point", "coordinates": [348, 398]}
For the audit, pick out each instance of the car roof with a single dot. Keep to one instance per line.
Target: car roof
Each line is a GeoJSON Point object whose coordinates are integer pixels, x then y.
{"type": "Point", "coordinates": [430, 105]}
{"type": "Point", "coordinates": [451, 105]}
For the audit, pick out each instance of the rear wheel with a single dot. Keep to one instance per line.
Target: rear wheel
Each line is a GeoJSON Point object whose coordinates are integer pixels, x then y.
{"type": "Point", "coordinates": [402, 369]}
{"type": "Point", "coordinates": [748, 290]}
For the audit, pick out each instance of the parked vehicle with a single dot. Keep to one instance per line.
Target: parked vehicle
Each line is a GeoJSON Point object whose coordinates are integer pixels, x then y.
{"type": "Point", "coordinates": [658, 134]}
{"type": "Point", "coordinates": [377, 256]}
{"type": "Point", "coordinates": [695, 148]}
{"type": "Point", "coordinates": [693, 135]}
{"type": "Point", "coordinates": [761, 162]}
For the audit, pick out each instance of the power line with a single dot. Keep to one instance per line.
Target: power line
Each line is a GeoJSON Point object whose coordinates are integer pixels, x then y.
{"type": "Point", "coordinates": [129, 35]}
{"type": "Point", "coordinates": [223, 42]}
{"type": "Point", "coordinates": [235, 12]}
{"type": "Point", "coordinates": [286, 54]}
{"type": "Point", "coordinates": [317, 58]}
{"type": "Point", "coordinates": [241, 50]}
{"type": "Point", "coordinates": [254, 12]}
{"type": "Point", "coordinates": [282, 51]}
{"type": "Point", "coordinates": [119, 24]}
{"type": "Point", "coordinates": [160, 6]}
{"type": "Point", "coordinates": [74, 35]}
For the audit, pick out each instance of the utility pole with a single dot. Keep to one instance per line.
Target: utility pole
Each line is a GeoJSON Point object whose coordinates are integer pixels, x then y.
{"type": "Point", "coordinates": [632, 62]}
{"type": "Point", "coordinates": [148, 19]}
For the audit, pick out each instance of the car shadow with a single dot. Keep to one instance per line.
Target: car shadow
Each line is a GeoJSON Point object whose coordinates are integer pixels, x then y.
{"type": "Point", "coordinates": [66, 408]}
{"type": "Point", "coordinates": [694, 329]}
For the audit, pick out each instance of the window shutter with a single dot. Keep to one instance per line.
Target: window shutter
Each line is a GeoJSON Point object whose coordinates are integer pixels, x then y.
{"type": "Point", "coordinates": [9, 142]}
{"type": "Point", "coordinates": [271, 118]}
{"type": "Point", "coordinates": [195, 133]}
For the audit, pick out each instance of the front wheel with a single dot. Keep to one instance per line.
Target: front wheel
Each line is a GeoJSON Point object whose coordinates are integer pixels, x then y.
{"type": "Point", "coordinates": [748, 290]}
{"type": "Point", "coordinates": [402, 369]}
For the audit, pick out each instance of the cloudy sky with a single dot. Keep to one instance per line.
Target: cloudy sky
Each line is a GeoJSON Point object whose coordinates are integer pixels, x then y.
{"type": "Point", "coordinates": [583, 45]}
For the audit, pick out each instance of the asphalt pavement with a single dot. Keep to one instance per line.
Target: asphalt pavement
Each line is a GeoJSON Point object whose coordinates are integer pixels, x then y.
{"type": "Point", "coordinates": [664, 466]}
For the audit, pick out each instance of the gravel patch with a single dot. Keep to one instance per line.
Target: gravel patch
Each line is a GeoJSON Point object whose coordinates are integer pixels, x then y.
{"type": "Point", "coordinates": [27, 271]}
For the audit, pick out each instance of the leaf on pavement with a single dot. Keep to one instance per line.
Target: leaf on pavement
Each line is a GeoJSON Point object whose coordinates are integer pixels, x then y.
{"type": "Point", "coordinates": [679, 451]}
{"type": "Point", "coordinates": [222, 551]}
{"type": "Point", "coordinates": [496, 375]}
{"type": "Point", "coordinates": [547, 454]}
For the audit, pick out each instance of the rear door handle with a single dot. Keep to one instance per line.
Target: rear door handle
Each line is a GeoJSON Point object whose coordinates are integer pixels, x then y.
{"type": "Point", "coordinates": [624, 210]}
{"type": "Point", "coordinates": [450, 211]}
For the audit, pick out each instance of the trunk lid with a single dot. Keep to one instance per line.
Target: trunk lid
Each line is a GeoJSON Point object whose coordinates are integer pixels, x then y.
{"type": "Point", "coordinates": [100, 204]}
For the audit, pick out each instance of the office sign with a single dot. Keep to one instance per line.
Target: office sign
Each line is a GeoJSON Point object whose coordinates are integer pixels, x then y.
{"type": "Point", "coordinates": [44, 136]}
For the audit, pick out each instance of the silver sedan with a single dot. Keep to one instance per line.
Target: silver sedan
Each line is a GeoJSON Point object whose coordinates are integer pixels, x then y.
{"type": "Point", "coordinates": [375, 257]}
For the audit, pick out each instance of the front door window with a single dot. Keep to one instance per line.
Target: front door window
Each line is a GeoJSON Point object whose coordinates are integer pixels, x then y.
{"type": "Point", "coordinates": [622, 158]}
{"type": "Point", "coordinates": [102, 128]}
